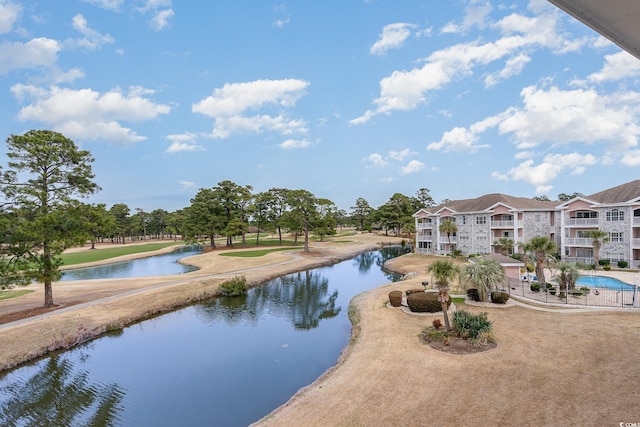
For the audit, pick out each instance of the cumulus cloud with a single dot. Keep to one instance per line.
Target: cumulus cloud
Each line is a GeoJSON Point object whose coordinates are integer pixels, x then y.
{"type": "Point", "coordinates": [406, 90]}
{"type": "Point", "coordinates": [393, 36]}
{"type": "Point", "coordinates": [412, 167]}
{"type": "Point", "coordinates": [160, 19]}
{"type": "Point", "coordinates": [618, 66]}
{"type": "Point", "coordinates": [9, 13]}
{"type": "Point", "coordinates": [183, 142]}
{"type": "Point", "coordinates": [88, 114]}
{"type": "Point", "coordinates": [541, 175]}
{"type": "Point", "coordinates": [475, 15]}
{"type": "Point", "coordinates": [38, 52]}
{"type": "Point", "coordinates": [402, 154]}
{"type": "Point", "coordinates": [92, 39]}
{"type": "Point", "coordinates": [228, 107]}
{"type": "Point", "coordinates": [188, 186]}
{"type": "Point", "coordinates": [294, 143]}
{"type": "Point", "coordinates": [457, 139]}
{"type": "Point", "coordinates": [376, 160]}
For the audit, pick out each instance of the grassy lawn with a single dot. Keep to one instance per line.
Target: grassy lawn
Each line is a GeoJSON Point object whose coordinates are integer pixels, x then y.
{"type": "Point", "coordinates": [101, 254]}
{"type": "Point", "coordinates": [256, 253]}
{"type": "Point", "coordinates": [13, 293]}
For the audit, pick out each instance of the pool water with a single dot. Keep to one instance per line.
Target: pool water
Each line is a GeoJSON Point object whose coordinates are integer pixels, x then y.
{"type": "Point", "coordinates": [603, 282]}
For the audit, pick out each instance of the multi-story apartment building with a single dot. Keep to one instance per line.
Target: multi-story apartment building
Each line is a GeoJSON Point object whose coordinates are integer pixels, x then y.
{"type": "Point", "coordinates": [482, 221]}
{"type": "Point", "coordinates": [616, 211]}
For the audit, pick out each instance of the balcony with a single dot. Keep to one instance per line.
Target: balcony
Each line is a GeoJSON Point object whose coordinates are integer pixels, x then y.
{"type": "Point", "coordinates": [581, 260]}
{"type": "Point", "coordinates": [502, 224]}
{"type": "Point", "coordinates": [582, 221]}
{"type": "Point", "coordinates": [636, 220]}
{"type": "Point", "coordinates": [578, 241]}
{"type": "Point", "coordinates": [422, 225]}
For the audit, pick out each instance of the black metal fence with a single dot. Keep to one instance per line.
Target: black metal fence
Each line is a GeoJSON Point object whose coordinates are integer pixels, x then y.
{"type": "Point", "coordinates": [624, 296]}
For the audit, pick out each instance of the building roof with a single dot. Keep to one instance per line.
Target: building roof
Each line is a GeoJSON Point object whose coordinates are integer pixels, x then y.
{"type": "Point", "coordinates": [488, 201]}
{"type": "Point", "coordinates": [620, 194]}
{"type": "Point", "coordinates": [616, 20]}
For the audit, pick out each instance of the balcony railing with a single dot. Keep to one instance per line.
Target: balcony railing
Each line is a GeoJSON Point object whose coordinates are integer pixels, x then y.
{"type": "Point", "coordinates": [423, 225]}
{"type": "Point", "coordinates": [578, 241]}
{"type": "Point", "coordinates": [582, 221]}
{"type": "Point", "coordinates": [581, 260]}
{"type": "Point", "coordinates": [502, 224]}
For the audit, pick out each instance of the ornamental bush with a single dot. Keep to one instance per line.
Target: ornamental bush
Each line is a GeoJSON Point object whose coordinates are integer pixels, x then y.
{"type": "Point", "coordinates": [535, 287]}
{"type": "Point", "coordinates": [395, 298]}
{"type": "Point", "coordinates": [498, 297]}
{"type": "Point", "coordinates": [425, 302]}
{"type": "Point", "coordinates": [234, 287]}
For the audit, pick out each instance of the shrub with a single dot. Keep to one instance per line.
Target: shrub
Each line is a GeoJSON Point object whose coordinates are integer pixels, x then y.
{"type": "Point", "coordinates": [437, 323]}
{"type": "Point", "coordinates": [395, 298]}
{"type": "Point", "coordinates": [623, 264]}
{"type": "Point", "coordinates": [585, 290]}
{"type": "Point", "coordinates": [473, 295]}
{"type": "Point", "coordinates": [604, 262]}
{"type": "Point", "coordinates": [425, 302]}
{"type": "Point", "coordinates": [562, 295]}
{"type": "Point", "coordinates": [535, 287]}
{"type": "Point", "coordinates": [498, 297]}
{"type": "Point", "coordinates": [475, 327]}
{"type": "Point", "coordinates": [606, 267]}
{"type": "Point", "coordinates": [531, 268]}
{"type": "Point", "coordinates": [234, 287]}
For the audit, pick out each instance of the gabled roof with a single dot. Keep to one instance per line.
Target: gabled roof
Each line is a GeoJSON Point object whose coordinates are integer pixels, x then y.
{"type": "Point", "coordinates": [622, 193]}
{"type": "Point", "coordinates": [488, 201]}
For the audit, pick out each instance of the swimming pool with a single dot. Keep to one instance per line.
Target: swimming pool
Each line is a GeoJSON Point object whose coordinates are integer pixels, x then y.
{"type": "Point", "coordinates": [603, 282]}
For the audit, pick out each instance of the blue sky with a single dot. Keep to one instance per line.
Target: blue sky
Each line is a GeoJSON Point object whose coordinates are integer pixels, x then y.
{"type": "Point", "coordinates": [346, 99]}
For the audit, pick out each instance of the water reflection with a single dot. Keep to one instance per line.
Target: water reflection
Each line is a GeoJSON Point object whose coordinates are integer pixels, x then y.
{"type": "Point", "coordinates": [226, 362]}
{"type": "Point", "coordinates": [303, 298]}
{"type": "Point", "coordinates": [156, 265]}
{"type": "Point", "coordinates": [58, 394]}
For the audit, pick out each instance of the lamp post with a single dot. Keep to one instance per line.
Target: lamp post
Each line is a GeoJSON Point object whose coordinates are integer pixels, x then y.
{"type": "Point", "coordinates": [425, 284]}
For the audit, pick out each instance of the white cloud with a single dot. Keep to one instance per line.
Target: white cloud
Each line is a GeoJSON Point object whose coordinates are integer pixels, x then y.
{"type": "Point", "coordinates": [543, 174]}
{"type": "Point", "coordinates": [38, 52]}
{"type": "Point", "coordinates": [513, 67]}
{"type": "Point", "coordinates": [631, 158]}
{"type": "Point", "coordinates": [393, 36]}
{"type": "Point", "coordinates": [386, 180]}
{"type": "Point", "coordinates": [92, 39]}
{"type": "Point", "coordinates": [88, 114]}
{"type": "Point", "coordinates": [9, 13]}
{"type": "Point", "coordinates": [457, 139]}
{"type": "Point", "coordinates": [227, 105]}
{"type": "Point", "coordinates": [376, 160]}
{"type": "Point", "coordinates": [294, 143]}
{"type": "Point", "coordinates": [402, 154]}
{"type": "Point", "coordinates": [160, 20]}
{"type": "Point", "coordinates": [279, 23]}
{"type": "Point", "coordinates": [618, 66]}
{"type": "Point", "coordinates": [406, 90]}
{"type": "Point", "coordinates": [558, 117]}
{"type": "Point", "coordinates": [183, 142]}
{"type": "Point", "coordinates": [412, 167]}
{"type": "Point", "coordinates": [106, 4]}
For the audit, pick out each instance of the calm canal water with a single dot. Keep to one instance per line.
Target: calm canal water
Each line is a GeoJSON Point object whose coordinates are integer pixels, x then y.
{"type": "Point", "coordinates": [225, 362]}
{"type": "Point", "coordinates": [157, 265]}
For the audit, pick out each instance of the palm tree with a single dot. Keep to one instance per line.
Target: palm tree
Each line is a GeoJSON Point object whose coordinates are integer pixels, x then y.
{"type": "Point", "coordinates": [598, 237]}
{"type": "Point", "coordinates": [568, 276]}
{"type": "Point", "coordinates": [443, 271]}
{"type": "Point", "coordinates": [448, 227]}
{"type": "Point", "coordinates": [484, 274]}
{"type": "Point", "coordinates": [505, 244]}
{"type": "Point", "coordinates": [540, 247]}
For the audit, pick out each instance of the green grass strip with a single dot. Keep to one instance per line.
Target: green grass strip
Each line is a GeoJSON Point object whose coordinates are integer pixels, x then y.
{"type": "Point", "coordinates": [93, 255]}
{"type": "Point", "coordinates": [13, 294]}
{"type": "Point", "coordinates": [256, 253]}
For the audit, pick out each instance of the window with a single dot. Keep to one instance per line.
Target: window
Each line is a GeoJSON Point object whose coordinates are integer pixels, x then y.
{"type": "Point", "coordinates": [590, 214]}
{"type": "Point", "coordinates": [481, 220]}
{"type": "Point", "coordinates": [616, 237]}
{"type": "Point", "coordinates": [538, 217]}
{"type": "Point", "coordinates": [463, 219]}
{"type": "Point", "coordinates": [582, 234]}
{"type": "Point", "coordinates": [615, 215]}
